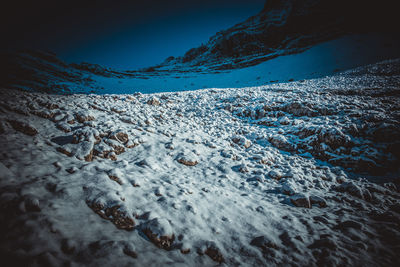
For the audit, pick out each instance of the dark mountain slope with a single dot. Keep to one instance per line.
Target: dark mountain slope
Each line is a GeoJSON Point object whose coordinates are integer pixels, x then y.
{"type": "Point", "coordinates": [285, 27]}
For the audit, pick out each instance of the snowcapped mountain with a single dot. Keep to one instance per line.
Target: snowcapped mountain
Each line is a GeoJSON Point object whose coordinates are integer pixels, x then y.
{"type": "Point", "coordinates": [45, 72]}
{"type": "Point", "coordinates": [283, 27]}
{"type": "Point", "coordinates": [287, 40]}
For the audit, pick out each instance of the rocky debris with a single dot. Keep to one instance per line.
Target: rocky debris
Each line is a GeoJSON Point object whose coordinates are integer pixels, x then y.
{"type": "Point", "coordinates": [85, 150]}
{"type": "Point", "coordinates": [115, 175]}
{"type": "Point", "coordinates": [72, 170]}
{"type": "Point", "coordinates": [298, 109]}
{"type": "Point", "coordinates": [212, 251]}
{"type": "Point", "coordinates": [351, 188]}
{"type": "Point", "coordinates": [287, 189]}
{"type": "Point", "coordinates": [23, 127]}
{"type": "Point", "coordinates": [30, 203]}
{"type": "Point", "coordinates": [115, 178]}
{"type": "Point", "coordinates": [45, 114]}
{"type": "Point", "coordinates": [103, 150]}
{"type": "Point", "coordinates": [243, 168]}
{"type": "Point", "coordinates": [127, 119]}
{"type": "Point", "coordinates": [159, 231]}
{"type": "Point", "coordinates": [119, 136]}
{"type": "Point", "coordinates": [170, 146]}
{"type": "Point", "coordinates": [241, 141]}
{"type": "Point", "coordinates": [82, 117]}
{"type": "Point", "coordinates": [118, 110]}
{"type": "Point", "coordinates": [284, 121]}
{"type": "Point", "coordinates": [188, 159]}
{"type": "Point", "coordinates": [318, 201]}
{"type": "Point", "coordinates": [118, 148]}
{"type": "Point", "coordinates": [86, 134]}
{"type": "Point", "coordinates": [130, 252]}
{"type": "Point", "coordinates": [63, 126]}
{"type": "Point", "coordinates": [159, 191]}
{"type": "Point", "coordinates": [185, 249]}
{"type": "Point", "coordinates": [48, 105]}
{"type": "Point", "coordinates": [65, 150]}
{"type": "Point", "coordinates": [281, 142]}
{"type": "Point", "coordinates": [153, 101]}
{"type": "Point", "coordinates": [264, 243]}
{"type": "Point", "coordinates": [131, 98]}
{"type": "Point", "coordinates": [275, 174]}
{"type": "Point", "coordinates": [115, 214]}
{"type": "Point", "coordinates": [300, 200]}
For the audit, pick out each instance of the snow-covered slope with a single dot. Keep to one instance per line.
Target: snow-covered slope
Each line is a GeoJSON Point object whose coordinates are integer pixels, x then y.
{"type": "Point", "coordinates": [45, 72]}
{"type": "Point", "coordinates": [301, 173]}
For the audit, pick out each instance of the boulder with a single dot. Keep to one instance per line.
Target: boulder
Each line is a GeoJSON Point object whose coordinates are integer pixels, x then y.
{"type": "Point", "coordinates": [300, 200]}
{"type": "Point", "coordinates": [23, 127]}
{"type": "Point", "coordinates": [159, 231]}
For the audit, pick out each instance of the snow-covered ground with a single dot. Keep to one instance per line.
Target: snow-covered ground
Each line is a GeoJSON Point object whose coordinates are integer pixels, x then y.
{"type": "Point", "coordinates": [300, 173]}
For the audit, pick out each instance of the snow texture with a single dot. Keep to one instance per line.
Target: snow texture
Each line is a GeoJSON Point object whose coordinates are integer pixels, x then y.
{"type": "Point", "coordinates": [300, 173]}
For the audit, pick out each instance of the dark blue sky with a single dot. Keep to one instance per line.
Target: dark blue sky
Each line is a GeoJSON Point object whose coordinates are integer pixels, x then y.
{"type": "Point", "coordinates": [120, 34]}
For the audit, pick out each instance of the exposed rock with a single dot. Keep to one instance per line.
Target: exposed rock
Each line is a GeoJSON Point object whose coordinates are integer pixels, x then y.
{"type": "Point", "coordinates": [280, 141]}
{"type": "Point", "coordinates": [115, 214]}
{"type": "Point", "coordinates": [275, 174]}
{"type": "Point", "coordinates": [120, 136]}
{"type": "Point", "coordinates": [214, 253]}
{"type": "Point", "coordinates": [83, 117]}
{"type": "Point", "coordinates": [159, 231]}
{"type": "Point", "coordinates": [86, 134]}
{"type": "Point", "coordinates": [63, 126]}
{"type": "Point", "coordinates": [118, 148]}
{"type": "Point", "coordinates": [264, 243]}
{"type": "Point", "coordinates": [115, 175]}
{"type": "Point", "coordinates": [31, 203]}
{"type": "Point", "coordinates": [65, 151]}
{"type": "Point", "coordinates": [299, 109]}
{"type": "Point", "coordinates": [241, 141]}
{"type": "Point", "coordinates": [117, 110]}
{"type": "Point", "coordinates": [130, 252]}
{"type": "Point", "coordinates": [288, 189]}
{"type": "Point", "coordinates": [284, 121]}
{"type": "Point", "coordinates": [300, 200]}
{"type": "Point", "coordinates": [350, 188]}
{"type": "Point", "coordinates": [72, 170]}
{"type": "Point", "coordinates": [84, 150]}
{"type": "Point", "coordinates": [243, 168]}
{"type": "Point", "coordinates": [23, 127]}
{"type": "Point", "coordinates": [43, 114]}
{"type": "Point", "coordinates": [116, 179]}
{"type": "Point", "coordinates": [318, 200]}
{"type": "Point", "coordinates": [153, 101]}
{"type": "Point", "coordinates": [189, 159]}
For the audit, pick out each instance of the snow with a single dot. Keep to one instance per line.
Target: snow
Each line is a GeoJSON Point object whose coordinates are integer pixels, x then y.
{"type": "Point", "coordinates": [299, 173]}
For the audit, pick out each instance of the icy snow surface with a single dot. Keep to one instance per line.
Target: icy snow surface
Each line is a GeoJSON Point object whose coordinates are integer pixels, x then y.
{"type": "Point", "coordinates": [301, 173]}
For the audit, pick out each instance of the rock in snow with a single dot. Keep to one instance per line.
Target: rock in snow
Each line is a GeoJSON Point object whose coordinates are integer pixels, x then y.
{"type": "Point", "coordinates": [159, 231]}
{"type": "Point", "coordinates": [300, 200]}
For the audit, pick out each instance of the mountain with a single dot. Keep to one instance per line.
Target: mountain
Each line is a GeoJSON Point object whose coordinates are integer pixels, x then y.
{"type": "Point", "coordinates": [287, 39]}
{"type": "Point", "coordinates": [285, 27]}
{"type": "Point", "coordinates": [45, 72]}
